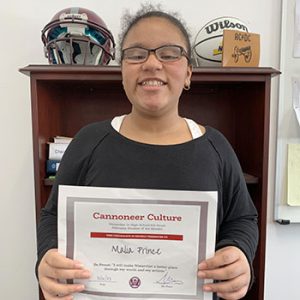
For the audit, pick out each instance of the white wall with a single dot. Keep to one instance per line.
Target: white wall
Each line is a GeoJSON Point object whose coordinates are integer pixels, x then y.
{"type": "Point", "coordinates": [20, 26]}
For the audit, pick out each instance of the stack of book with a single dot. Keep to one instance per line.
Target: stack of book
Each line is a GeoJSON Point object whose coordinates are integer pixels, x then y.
{"type": "Point", "coordinates": [57, 149]}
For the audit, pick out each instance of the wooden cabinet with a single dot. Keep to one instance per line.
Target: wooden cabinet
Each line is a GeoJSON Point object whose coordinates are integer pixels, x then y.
{"type": "Point", "coordinates": [233, 100]}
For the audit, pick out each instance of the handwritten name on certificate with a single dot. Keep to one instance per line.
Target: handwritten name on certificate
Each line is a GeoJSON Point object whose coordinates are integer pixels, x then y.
{"type": "Point", "coordinates": [138, 243]}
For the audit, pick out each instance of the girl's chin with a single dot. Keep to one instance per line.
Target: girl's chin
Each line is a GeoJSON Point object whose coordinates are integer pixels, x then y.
{"type": "Point", "coordinates": [153, 106]}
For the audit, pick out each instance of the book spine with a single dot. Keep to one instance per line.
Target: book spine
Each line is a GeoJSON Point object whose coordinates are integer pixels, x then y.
{"type": "Point", "coordinates": [52, 166]}
{"type": "Point", "coordinates": [62, 140]}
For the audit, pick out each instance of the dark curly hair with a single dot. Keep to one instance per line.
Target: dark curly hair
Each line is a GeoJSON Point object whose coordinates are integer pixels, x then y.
{"type": "Point", "coordinates": [149, 10]}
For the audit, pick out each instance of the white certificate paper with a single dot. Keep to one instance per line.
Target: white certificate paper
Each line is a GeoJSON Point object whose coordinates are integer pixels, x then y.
{"type": "Point", "coordinates": [138, 243]}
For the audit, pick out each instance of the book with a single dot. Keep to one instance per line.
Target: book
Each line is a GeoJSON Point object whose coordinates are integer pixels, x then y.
{"type": "Point", "coordinates": [57, 150]}
{"type": "Point", "coordinates": [58, 147]}
{"type": "Point", "coordinates": [52, 166]}
{"type": "Point", "coordinates": [62, 139]}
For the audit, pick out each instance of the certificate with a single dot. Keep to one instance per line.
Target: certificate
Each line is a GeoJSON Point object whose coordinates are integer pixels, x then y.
{"type": "Point", "coordinates": [138, 243]}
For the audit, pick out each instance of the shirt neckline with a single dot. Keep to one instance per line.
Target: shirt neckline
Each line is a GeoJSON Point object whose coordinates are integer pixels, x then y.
{"type": "Point", "coordinates": [194, 128]}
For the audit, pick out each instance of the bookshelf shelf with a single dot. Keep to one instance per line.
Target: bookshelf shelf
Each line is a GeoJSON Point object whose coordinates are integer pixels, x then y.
{"type": "Point", "coordinates": [236, 101]}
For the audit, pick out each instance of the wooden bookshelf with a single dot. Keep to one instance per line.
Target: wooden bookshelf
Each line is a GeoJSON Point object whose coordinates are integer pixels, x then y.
{"type": "Point", "coordinates": [236, 101]}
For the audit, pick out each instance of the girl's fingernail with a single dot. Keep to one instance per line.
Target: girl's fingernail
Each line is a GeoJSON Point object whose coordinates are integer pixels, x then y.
{"type": "Point", "coordinates": [86, 273]}
{"type": "Point", "coordinates": [202, 266]}
{"type": "Point", "coordinates": [201, 274]}
{"type": "Point", "coordinates": [79, 265]}
{"type": "Point", "coordinates": [80, 288]}
{"type": "Point", "coordinates": [207, 288]}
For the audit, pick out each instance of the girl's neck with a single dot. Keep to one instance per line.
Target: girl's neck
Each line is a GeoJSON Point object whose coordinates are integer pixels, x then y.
{"type": "Point", "coordinates": [165, 130]}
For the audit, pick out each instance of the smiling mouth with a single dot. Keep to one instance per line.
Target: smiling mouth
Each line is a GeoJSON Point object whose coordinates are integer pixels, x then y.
{"type": "Point", "coordinates": [153, 83]}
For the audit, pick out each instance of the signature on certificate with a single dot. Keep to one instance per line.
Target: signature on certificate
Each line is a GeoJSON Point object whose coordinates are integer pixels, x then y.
{"type": "Point", "coordinates": [168, 279]}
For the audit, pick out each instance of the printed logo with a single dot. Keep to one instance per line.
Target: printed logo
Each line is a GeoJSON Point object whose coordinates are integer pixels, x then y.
{"type": "Point", "coordinates": [224, 25]}
{"type": "Point", "coordinates": [134, 282]}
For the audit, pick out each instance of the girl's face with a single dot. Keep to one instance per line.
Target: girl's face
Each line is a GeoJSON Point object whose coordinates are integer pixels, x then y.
{"type": "Point", "coordinates": [154, 87]}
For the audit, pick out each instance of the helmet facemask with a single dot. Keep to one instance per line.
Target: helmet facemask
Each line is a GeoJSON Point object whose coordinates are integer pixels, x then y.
{"type": "Point", "coordinates": [74, 40]}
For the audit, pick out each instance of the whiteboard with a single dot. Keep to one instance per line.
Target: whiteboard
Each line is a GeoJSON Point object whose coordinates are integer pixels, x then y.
{"type": "Point", "coordinates": [288, 129]}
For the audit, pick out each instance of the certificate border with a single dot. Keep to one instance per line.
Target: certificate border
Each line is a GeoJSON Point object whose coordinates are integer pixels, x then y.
{"type": "Point", "coordinates": [70, 204]}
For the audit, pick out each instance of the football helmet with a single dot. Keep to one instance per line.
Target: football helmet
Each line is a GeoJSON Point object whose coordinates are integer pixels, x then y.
{"type": "Point", "coordinates": [78, 36]}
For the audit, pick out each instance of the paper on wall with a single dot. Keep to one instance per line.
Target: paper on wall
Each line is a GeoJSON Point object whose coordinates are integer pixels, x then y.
{"type": "Point", "coordinates": [296, 97]}
{"type": "Point", "coordinates": [297, 30]}
{"type": "Point", "coordinates": [293, 186]}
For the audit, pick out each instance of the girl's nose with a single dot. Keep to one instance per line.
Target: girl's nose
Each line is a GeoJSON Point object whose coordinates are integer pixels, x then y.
{"type": "Point", "coordinates": [152, 62]}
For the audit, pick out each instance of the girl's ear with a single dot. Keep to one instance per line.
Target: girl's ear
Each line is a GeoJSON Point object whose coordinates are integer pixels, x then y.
{"type": "Point", "coordinates": [189, 72]}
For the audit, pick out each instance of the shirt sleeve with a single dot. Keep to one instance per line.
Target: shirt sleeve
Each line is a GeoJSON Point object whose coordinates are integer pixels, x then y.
{"type": "Point", "coordinates": [237, 214]}
{"type": "Point", "coordinates": [72, 170]}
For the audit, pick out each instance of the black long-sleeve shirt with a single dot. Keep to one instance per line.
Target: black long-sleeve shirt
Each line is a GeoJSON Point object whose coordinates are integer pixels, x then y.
{"type": "Point", "coordinates": [100, 156]}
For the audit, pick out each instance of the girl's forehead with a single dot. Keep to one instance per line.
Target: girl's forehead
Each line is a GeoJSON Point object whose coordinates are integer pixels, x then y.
{"type": "Point", "coordinates": [154, 23]}
{"type": "Point", "coordinates": [154, 29]}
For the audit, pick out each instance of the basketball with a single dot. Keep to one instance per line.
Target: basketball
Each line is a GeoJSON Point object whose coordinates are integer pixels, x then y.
{"type": "Point", "coordinates": [207, 48]}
